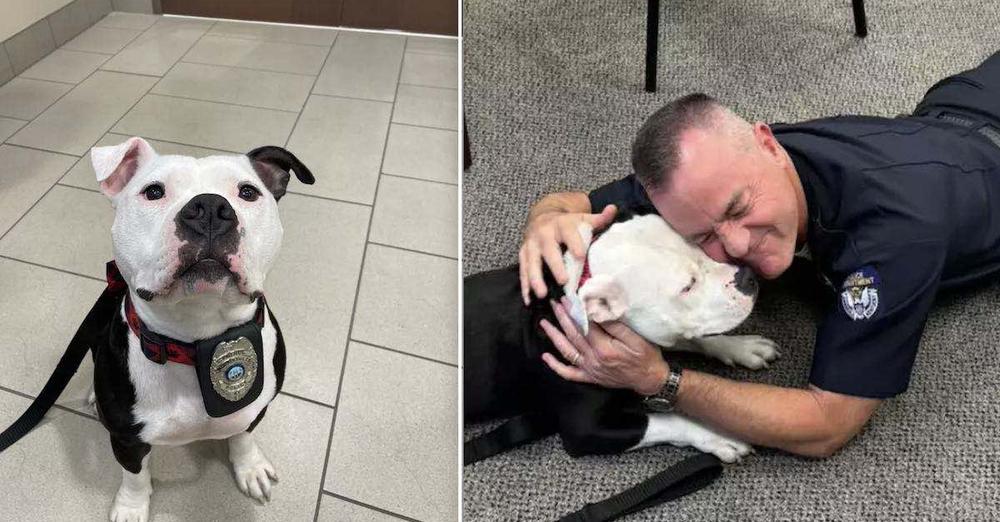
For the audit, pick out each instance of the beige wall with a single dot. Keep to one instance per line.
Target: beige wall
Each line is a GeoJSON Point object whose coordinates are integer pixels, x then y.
{"type": "Point", "coordinates": [17, 15]}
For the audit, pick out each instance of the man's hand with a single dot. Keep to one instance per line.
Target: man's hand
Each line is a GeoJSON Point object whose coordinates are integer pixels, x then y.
{"type": "Point", "coordinates": [545, 233]}
{"type": "Point", "coordinates": [611, 355]}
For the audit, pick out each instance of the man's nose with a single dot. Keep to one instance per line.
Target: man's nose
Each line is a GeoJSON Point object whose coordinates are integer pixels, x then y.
{"type": "Point", "coordinates": [735, 240]}
{"type": "Point", "coordinates": [208, 215]}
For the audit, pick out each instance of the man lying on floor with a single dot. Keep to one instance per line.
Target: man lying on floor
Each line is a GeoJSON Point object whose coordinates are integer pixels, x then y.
{"type": "Point", "coordinates": [890, 210]}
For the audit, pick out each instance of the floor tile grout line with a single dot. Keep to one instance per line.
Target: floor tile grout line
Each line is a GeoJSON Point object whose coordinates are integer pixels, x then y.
{"type": "Point", "coordinates": [425, 126]}
{"type": "Point", "coordinates": [349, 98]}
{"type": "Point", "coordinates": [328, 198]}
{"type": "Point", "coordinates": [46, 79]}
{"type": "Point", "coordinates": [63, 270]}
{"type": "Point", "coordinates": [238, 37]}
{"type": "Point", "coordinates": [23, 77]}
{"type": "Point", "coordinates": [354, 305]}
{"type": "Point", "coordinates": [133, 73]}
{"type": "Point", "coordinates": [306, 399]}
{"type": "Point", "coordinates": [401, 352]}
{"type": "Point", "coordinates": [151, 93]}
{"type": "Point", "coordinates": [39, 149]}
{"type": "Point", "coordinates": [415, 251]}
{"type": "Point", "coordinates": [311, 87]}
{"type": "Point", "coordinates": [61, 184]}
{"type": "Point", "coordinates": [429, 86]}
{"type": "Point", "coordinates": [414, 178]}
{"type": "Point", "coordinates": [241, 67]}
{"type": "Point", "coordinates": [58, 406]}
{"type": "Point", "coordinates": [186, 60]}
{"type": "Point", "coordinates": [367, 506]}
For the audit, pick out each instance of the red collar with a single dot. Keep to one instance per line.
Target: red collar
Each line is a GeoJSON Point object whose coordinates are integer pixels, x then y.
{"type": "Point", "coordinates": [160, 348]}
{"type": "Point", "coordinates": [585, 272]}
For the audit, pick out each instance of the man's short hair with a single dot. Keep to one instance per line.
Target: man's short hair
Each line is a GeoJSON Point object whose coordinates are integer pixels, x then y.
{"type": "Point", "coordinates": [655, 151]}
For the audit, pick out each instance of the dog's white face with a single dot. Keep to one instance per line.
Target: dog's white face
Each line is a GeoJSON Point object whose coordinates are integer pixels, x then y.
{"type": "Point", "coordinates": [645, 274]}
{"type": "Point", "coordinates": [186, 226]}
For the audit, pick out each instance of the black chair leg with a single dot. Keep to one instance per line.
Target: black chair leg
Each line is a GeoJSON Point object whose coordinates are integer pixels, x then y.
{"type": "Point", "coordinates": [860, 21]}
{"type": "Point", "coordinates": [652, 42]}
{"type": "Point", "coordinates": [466, 149]}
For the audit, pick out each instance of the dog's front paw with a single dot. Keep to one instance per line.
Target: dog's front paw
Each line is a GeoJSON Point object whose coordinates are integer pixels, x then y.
{"type": "Point", "coordinates": [132, 510]}
{"type": "Point", "coordinates": [749, 351]}
{"type": "Point", "coordinates": [254, 475]}
{"type": "Point", "coordinates": [728, 450]}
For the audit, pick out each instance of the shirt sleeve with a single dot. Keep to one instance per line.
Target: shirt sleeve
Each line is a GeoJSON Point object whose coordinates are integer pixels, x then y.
{"type": "Point", "coordinates": [867, 343]}
{"type": "Point", "coordinates": [625, 193]}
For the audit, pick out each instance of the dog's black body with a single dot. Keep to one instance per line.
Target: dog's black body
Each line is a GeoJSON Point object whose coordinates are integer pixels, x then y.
{"type": "Point", "coordinates": [505, 375]}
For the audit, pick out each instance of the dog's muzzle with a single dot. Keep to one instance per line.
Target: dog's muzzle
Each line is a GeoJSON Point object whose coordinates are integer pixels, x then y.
{"type": "Point", "coordinates": [745, 281]}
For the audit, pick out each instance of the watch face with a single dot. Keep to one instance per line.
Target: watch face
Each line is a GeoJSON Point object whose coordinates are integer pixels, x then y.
{"type": "Point", "coordinates": [658, 404]}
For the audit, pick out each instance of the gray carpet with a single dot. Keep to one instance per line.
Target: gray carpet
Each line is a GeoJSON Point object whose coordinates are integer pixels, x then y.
{"type": "Point", "coordinates": [553, 95]}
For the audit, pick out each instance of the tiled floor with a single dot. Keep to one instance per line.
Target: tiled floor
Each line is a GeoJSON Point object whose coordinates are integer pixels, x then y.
{"type": "Point", "coordinates": [365, 287]}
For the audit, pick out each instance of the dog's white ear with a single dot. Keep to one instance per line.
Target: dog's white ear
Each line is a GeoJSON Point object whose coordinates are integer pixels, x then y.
{"type": "Point", "coordinates": [116, 164]}
{"type": "Point", "coordinates": [604, 298]}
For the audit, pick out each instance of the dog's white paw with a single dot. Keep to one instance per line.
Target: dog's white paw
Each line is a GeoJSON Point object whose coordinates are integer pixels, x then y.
{"type": "Point", "coordinates": [254, 476]}
{"type": "Point", "coordinates": [129, 510]}
{"type": "Point", "coordinates": [749, 351]}
{"type": "Point", "coordinates": [728, 450]}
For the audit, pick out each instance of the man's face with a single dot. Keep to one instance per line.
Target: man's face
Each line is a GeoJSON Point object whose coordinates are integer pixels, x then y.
{"type": "Point", "coordinates": [734, 198]}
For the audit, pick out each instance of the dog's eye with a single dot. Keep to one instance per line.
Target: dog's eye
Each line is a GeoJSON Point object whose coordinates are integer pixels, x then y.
{"type": "Point", "coordinates": [690, 285]}
{"type": "Point", "coordinates": [154, 191]}
{"type": "Point", "coordinates": [249, 193]}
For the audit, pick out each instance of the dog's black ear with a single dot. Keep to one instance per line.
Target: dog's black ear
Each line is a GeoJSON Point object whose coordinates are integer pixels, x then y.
{"type": "Point", "coordinates": [273, 163]}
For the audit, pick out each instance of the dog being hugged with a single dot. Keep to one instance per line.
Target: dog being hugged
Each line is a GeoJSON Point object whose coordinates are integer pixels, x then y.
{"type": "Point", "coordinates": [640, 272]}
{"type": "Point", "coordinates": [193, 352]}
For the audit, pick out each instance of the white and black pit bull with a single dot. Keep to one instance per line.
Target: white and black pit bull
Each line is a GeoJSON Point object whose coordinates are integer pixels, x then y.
{"type": "Point", "coordinates": [638, 271]}
{"type": "Point", "coordinates": [190, 353]}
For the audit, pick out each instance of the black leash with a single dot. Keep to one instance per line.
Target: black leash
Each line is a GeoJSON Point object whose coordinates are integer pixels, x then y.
{"type": "Point", "coordinates": [680, 479]}
{"type": "Point", "coordinates": [683, 478]}
{"type": "Point", "coordinates": [97, 319]}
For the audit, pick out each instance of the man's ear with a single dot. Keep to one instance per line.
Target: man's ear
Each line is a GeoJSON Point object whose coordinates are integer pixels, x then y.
{"type": "Point", "coordinates": [603, 298]}
{"type": "Point", "coordinates": [115, 165]}
{"type": "Point", "coordinates": [273, 164]}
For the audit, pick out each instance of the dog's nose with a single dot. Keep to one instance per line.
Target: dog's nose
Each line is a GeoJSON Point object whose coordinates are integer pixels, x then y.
{"type": "Point", "coordinates": [208, 215]}
{"type": "Point", "coordinates": [746, 282]}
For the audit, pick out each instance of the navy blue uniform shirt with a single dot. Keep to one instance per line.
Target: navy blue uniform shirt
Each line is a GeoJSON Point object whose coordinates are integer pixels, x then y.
{"type": "Point", "coordinates": [898, 209]}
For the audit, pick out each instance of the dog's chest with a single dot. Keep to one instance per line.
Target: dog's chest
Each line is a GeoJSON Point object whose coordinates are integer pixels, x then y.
{"type": "Point", "coordinates": [169, 405]}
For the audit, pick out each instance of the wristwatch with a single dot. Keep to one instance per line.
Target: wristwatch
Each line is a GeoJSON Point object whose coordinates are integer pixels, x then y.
{"type": "Point", "coordinates": [664, 400]}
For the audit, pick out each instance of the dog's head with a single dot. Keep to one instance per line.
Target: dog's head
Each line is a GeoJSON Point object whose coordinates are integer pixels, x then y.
{"type": "Point", "coordinates": [186, 226]}
{"type": "Point", "coordinates": [646, 275]}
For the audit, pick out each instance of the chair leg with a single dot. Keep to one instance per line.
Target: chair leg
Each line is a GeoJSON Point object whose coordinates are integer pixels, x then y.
{"type": "Point", "coordinates": [466, 148]}
{"type": "Point", "coordinates": [652, 42]}
{"type": "Point", "coordinates": [860, 21]}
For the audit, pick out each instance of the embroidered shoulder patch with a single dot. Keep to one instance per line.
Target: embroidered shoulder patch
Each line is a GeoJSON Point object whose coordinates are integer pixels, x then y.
{"type": "Point", "coordinates": [859, 293]}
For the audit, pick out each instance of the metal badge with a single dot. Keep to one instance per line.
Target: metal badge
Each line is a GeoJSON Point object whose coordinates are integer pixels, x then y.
{"type": "Point", "coordinates": [234, 368]}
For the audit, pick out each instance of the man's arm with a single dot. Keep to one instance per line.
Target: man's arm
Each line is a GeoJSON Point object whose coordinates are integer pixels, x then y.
{"type": "Point", "coordinates": [811, 422]}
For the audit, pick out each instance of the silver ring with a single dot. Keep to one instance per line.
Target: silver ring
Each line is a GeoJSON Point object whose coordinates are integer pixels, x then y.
{"type": "Point", "coordinates": [575, 359]}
